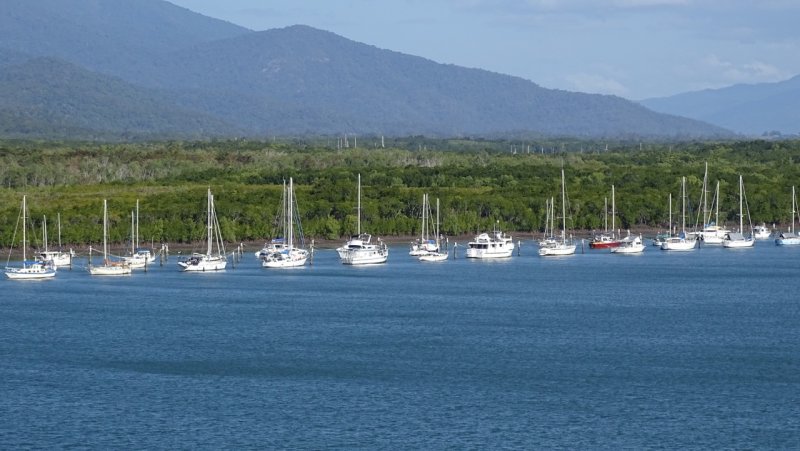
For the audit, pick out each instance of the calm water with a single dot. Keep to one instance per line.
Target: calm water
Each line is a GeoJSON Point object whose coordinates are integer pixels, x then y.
{"type": "Point", "coordinates": [698, 350]}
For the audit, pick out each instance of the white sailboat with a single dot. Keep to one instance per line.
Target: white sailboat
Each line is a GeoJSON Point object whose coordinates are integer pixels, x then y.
{"type": "Point", "coordinates": [563, 247]}
{"type": "Point", "coordinates": [59, 257]}
{"type": "Point", "coordinates": [712, 232]}
{"type": "Point", "coordinates": [737, 240]}
{"type": "Point", "coordinates": [140, 257]}
{"type": "Point", "coordinates": [290, 256]}
{"type": "Point", "coordinates": [109, 267]}
{"type": "Point", "coordinates": [30, 270]}
{"type": "Point", "coordinates": [359, 249]}
{"type": "Point", "coordinates": [631, 244]}
{"type": "Point", "coordinates": [424, 244]}
{"type": "Point", "coordinates": [680, 242]}
{"type": "Point", "coordinates": [790, 238]}
{"type": "Point", "coordinates": [212, 260]}
{"type": "Point", "coordinates": [437, 255]}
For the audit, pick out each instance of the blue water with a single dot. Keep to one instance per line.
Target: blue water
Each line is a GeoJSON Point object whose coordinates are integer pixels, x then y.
{"type": "Point", "coordinates": [660, 350]}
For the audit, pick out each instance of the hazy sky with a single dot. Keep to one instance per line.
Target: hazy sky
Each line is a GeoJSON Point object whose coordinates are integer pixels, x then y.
{"type": "Point", "coordinates": [632, 48]}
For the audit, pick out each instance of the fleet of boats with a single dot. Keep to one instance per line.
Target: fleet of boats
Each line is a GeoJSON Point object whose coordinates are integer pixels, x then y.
{"type": "Point", "coordinates": [289, 250]}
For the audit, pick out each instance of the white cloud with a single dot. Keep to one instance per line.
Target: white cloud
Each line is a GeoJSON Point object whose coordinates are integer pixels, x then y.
{"type": "Point", "coordinates": [744, 72]}
{"type": "Point", "coordinates": [597, 84]}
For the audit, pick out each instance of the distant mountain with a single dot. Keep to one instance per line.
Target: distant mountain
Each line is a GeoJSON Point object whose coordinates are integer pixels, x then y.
{"type": "Point", "coordinates": [118, 37]}
{"type": "Point", "coordinates": [751, 109]}
{"type": "Point", "coordinates": [48, 97]}
{"type": "Point", "coordinates": [204, 74]}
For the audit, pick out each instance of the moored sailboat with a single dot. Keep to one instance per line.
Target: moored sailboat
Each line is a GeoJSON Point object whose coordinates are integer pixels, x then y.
{"type": "Point", "coordinates": [213, 259]}
{"type": "Point", "coordinates": [109, 267]}
{"type": "Point", "coordinates": [680, 242]}
{"type": "Point", "coordinates": [140, 257]}
{"type": "Point", "coordinates": [437, 255]}
{"type": "Point", "coordinates": [359, 249]}
{"type": "Point", "coordinates": [30, 270]}
{"type": "Point", "coordinates": [790, 238]}
{"type": "Point", "coordinates": [564, 246]}
{"type": "Point", "coordinates": [59, 257]}
{"type": "Point", "coordinates": [607, 239]}
{"type": "Point", "coordinates": [737, 240]}
{"type": "Point", "coordinates": [289, 256]}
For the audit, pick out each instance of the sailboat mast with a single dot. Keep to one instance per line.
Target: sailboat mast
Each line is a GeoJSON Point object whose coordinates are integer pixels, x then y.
{"type": "Point", "coordinates": [44, 232]}
{"type": "Point", "coordinates": [613, 211]}
{"type": "Point", "coordinates": [24, 236]}
{"type": "Point", "coordinates": [563, 208]}
{"type": "Point", "coordinates": [741, 205]}
{"type": "Point", "coordinates": [716, 213]}
{"type": "Point", "coordinates": [133, 233]}
{"type": "Point", "coordinates": [210, 221]}
{"type": "Point", "coordinates": [670, 214]}
{"type": "Point", "coordinates": [289, 201]}
{"type": "Point", "coordinates": [794, 208]}
{"type": "Point", "coordinates": [683, 205]}
{"type": "Point", "coordinates": [137, 222]}
{"type": "Point", "coordinates": [705, 196]}
{"type": "Point", "coordinates": [437, 225]}
{"type": "Point", "coordinates": [105, 231]}
{"type": "Point", "coordinates": [605, 213]}
{"type": "Point", "coordinates": [58, 215]}
{"type": "Point", "coordinates": [359, 205]}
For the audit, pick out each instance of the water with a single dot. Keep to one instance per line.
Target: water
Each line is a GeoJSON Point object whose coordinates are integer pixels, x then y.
{"type": "Point", "coordinates": [661, 350]}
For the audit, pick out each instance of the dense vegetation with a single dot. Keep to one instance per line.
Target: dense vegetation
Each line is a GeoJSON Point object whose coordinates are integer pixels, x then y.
{"type": "Point", "coordinates": [481, 183]}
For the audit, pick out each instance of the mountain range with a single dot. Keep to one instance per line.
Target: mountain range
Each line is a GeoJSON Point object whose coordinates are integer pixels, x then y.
{"type": "Point", "coordinates": [118, 69]}
{"type": "Point", "coordinates": [752, 109]}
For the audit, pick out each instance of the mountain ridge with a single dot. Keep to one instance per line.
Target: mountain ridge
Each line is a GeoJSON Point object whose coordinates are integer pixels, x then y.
{"type": "Point", "coordinates": [299, 80]}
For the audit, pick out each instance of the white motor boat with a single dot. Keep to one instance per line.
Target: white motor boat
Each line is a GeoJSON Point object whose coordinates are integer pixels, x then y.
{"type": "Point", "coordinates": [631, 244]}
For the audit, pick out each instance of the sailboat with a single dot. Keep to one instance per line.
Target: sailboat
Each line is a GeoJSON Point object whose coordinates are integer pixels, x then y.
{"type": "Point", "coordinates": [549, 239]}
{"type": "Point", "coordinates": [140, 257]}
{"type": "Point", "coordinates": [212, 260]}
{"type": "Point", "coordinates": [607, 240]}
{"type": "Point", "coordinates": [359, 249]}
{"type": "Point", "coordinates": [59, 257]}
{"type": "Point", "coordinates": [108, 268]}
{"type": "Point", "coordinates": [736, 240]}
{"type": "Point", "coordinates": [424, 245]}
{"type": "Point", "coordinates": [680, 242]}
{"type": "Point", "coordinates": [290, 256]}
{"type": "Point", "coordinates": [564, 247]}
{"type": "Point", "coordinates": [631, 244]}
{"type": "Point", "coordinates": [790, 238]}
{"type": "Point", "coordinates": [437, 255]}
{"type": "Point", "coordinates": [30, 270]}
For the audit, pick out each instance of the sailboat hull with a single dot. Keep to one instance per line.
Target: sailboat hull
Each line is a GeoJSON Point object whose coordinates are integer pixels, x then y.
{"type": "Point", "coordinates": [433, 257]}
{"type": "Point", "coordinates": [110, 270]}
{"type": "Point", "coordinates": [30, 273]}
{"type": "Point", "coordinates": [203, 263]}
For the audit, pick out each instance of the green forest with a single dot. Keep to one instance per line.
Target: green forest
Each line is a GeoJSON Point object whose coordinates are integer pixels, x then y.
{"type": "Point", "coordinates": [479, 183]}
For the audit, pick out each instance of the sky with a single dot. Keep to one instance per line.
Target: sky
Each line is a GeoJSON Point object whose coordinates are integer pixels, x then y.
{"type": "Point", "coordinates": [635, 49]}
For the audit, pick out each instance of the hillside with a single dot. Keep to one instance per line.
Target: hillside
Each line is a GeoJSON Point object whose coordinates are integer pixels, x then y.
{"type": "Point", "coordinates": [748, 109]}
{"type": "Point", "coordinates": [205, 73]}
{"type": "Point", "coordinates": [57, 99]}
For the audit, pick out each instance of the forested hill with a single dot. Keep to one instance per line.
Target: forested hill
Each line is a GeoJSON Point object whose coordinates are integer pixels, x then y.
{"type": "Point", "coordinates": [292, 81]}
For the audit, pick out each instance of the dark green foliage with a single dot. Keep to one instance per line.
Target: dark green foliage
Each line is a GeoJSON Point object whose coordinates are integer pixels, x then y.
{"type": "Point", "coordinates": [477, 186]}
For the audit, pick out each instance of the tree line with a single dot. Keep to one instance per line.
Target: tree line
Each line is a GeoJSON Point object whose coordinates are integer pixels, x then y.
{"type": "Point", "coordinates": [479, 183]}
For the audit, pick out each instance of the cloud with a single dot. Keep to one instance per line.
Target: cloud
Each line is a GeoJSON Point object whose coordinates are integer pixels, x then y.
{"type": "Point", "coordinates": [597, 84]}
{"type": "Point", "coordinates": [745, 72]}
